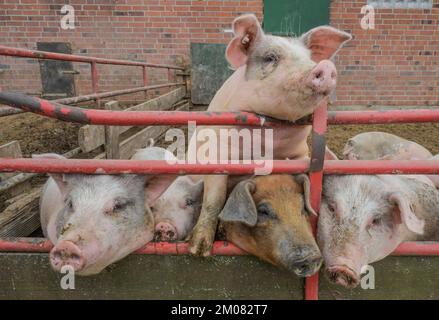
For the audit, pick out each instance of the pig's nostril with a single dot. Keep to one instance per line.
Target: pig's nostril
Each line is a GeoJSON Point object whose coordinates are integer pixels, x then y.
{"type": "Point", "coordinates": [67, 253]}
{"type": "Point", "coordinates": [343, 276]}
{"type": "Point", "coordinates": [157, 236]}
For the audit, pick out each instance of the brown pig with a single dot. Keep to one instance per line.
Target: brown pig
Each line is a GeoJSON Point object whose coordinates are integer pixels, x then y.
{"type": "Point", "coordinates": [284, 78]}
{"type": "Point", "coordinates": [268, 216]}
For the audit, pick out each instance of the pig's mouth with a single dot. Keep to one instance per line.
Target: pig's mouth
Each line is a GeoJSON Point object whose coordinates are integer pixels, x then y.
{"type": "Point", "coordinates": [307, 267]}
{"type": "Point", "coordinates": [343, 275]}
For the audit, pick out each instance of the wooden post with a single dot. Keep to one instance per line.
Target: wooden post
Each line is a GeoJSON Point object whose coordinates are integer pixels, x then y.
{"type": "Point", "coordinates": [9, 150]}
{"type": "Point", "coordinates": [112, 134]}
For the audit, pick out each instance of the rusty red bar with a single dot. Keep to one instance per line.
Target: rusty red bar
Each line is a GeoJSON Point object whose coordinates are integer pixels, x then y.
{"type": "Point", "coordinates": [106, 117]}
{"type": "Point", "coordinates": [89, 166]}
{"type": "Point", "coordinates": [93, 166]}
{"type": "Point", "coordinates": [24, 53]}
{"type": "Point", "coordinates": [424, 248]}
{"type": "Point", "coordinates": [6, 111]}
{"type": "Point", "coordinates": [316, 178]}
{"type": "Point", "coordinates": [42, 245]}
{"type": "Point", "coordinates": [383, 116]}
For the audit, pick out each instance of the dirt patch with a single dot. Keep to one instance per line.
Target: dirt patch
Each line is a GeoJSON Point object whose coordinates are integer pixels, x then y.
{"type": "Point", "coordinates": [38, 134]}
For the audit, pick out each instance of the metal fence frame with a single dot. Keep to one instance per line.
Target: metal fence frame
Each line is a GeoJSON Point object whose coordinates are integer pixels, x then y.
{"type": "Point", "coordinates": [316, 167]}
{"type": "Point", "coordinates": [93, 61]}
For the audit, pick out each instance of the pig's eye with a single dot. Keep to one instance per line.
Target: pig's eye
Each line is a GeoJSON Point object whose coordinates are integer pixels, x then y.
{"type": "Point", "coordinates": [331, 207]}
{"type": "Point", "coordinates": [265, 211]}
{"type": "Point", "coordinates": [376, 221]}
{"type": "Point", "coordinates": [119, 205]}
{"type": "Point", "coordinates": [270, 58]}
{"type": "Point", "coordinates": [190, 202]}
{"type": "Point", "coordinates": [70, 204]}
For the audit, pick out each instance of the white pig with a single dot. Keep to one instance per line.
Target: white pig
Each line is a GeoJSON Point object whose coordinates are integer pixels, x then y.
{"type": "Point", "coordinates": [95, 220]}
{"type": "Point", "coordinates": [363, 218]}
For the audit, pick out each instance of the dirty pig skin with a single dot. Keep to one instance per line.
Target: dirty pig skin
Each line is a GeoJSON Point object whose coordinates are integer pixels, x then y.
{"type": "Point", "coordinates": [283, 78]}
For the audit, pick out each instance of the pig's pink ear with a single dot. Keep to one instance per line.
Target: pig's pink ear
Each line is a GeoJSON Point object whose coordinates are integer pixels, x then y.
{"type": "Point", "coordinates": [330, 155]}
{"type": "Point", "coordinates": [247, 32]}
{"type": "Point", "coordinates": [303, 179]}
{"type": "Point", "coordinates": [59, 178]}
{"type": "Point", "coordinates": [405, 213]}
{"type": "Point", "coordinates": [156, 185]}
{"type": "Point", "coordinates": [324, 42]}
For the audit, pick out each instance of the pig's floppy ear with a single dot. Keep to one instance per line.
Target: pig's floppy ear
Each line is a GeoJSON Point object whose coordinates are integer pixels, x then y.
{"type": "Point", "coordinates": [405, 213]}
{"type": "Point", "coordinates": [59, 178]}
{"type": "Point", "coordinates": [330, 155]}
{"type": "Point", "coordinates": [304, 181]}
{"type": "Point", "coordinates": [240, 206]}
{"type": "Point", "coordinates": [247, 32]}
{"type": "Point", "coordinates": [196, 187]}
{"type": "Point", "coordinates": [324, 42]}
{"type": "Point", "coordinates": [156, 185]}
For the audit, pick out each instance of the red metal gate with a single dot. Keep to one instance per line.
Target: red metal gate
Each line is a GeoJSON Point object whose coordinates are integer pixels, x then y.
{"type": "Point", "coordinates": [316, 167]}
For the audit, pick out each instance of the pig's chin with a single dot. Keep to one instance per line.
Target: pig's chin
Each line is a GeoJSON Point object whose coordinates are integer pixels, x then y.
{"type": "Point", "coordinates": [97, 262]}
{"type": "Point", "coordinates": [303, 103]}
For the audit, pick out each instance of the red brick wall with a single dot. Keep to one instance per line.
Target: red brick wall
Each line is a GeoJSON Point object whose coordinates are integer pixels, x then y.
{"type": "Point", "coordinates": [157, 31]}
{"type": "Point", "coordinates": [395, 64]}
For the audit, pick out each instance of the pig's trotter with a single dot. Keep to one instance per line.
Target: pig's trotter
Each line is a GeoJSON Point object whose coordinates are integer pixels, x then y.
{"type": "Point", "coordinates": [203, 234]}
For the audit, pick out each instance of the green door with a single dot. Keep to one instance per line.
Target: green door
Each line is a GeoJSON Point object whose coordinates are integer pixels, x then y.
{"type": "Point", "coordinates": [294, 17]}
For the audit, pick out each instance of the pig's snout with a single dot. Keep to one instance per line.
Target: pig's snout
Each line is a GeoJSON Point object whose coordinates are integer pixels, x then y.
{"type": "Point", "coordinates": [343, 275]}
{"type": "Point", "coordinates": [67, 253]}
{"type": "Point", "coordinates": [307, 267]}
{"type": "Point", "coordinates": [305, 261]}
{"type": "Point", "coordinates": [165, 231]}
{"type": "Point", "coordinates": [323, 78]}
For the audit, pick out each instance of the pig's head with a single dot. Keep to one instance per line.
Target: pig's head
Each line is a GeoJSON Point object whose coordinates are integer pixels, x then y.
{"type": "Point", "coordinates": [361, 220]}
{"type": "Point", "coordinates": [177, 210]}
{"type": "Point", "coordinates": [268, 216]}
{"type": "Point", "coordinates": [285, 78]}
{"type": "Point", "coordinates": [104, 218]}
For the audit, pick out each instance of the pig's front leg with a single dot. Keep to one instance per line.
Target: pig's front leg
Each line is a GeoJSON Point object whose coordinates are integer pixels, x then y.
{"type": "Point", "coordinates": [203, 234]}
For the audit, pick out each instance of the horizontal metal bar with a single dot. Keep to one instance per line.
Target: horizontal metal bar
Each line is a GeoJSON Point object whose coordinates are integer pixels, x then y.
{"type": "Point", "coordinates": [383, 116]}
{"type": "Point", "coordinates": [36, 54]}
{"type": "Point", "coordinates": [22, 177]}
{"type": "Point", "coordinates": [43, 245]}
{"type": "Point", "coordinates": [9, 111]}
{"type": "Point", "coordinates": [93, 166]}
{"type": "Point", "coordinates": [223, 248]}
{"type": "Point", "coordinates": [6, 111]}
{"type": "Point", "coordinates": [424, 248]}
{"type": "Point", "coordinates": [120, 92]}
{"type": "Point", "coordinates": [132, 118]}
{"type": "Point", "coordinates": [106, 117]}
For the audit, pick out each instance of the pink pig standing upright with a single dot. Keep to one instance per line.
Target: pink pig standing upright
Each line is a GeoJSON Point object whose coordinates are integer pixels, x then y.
{"type": "Point", "coordinates": [284, 78]}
